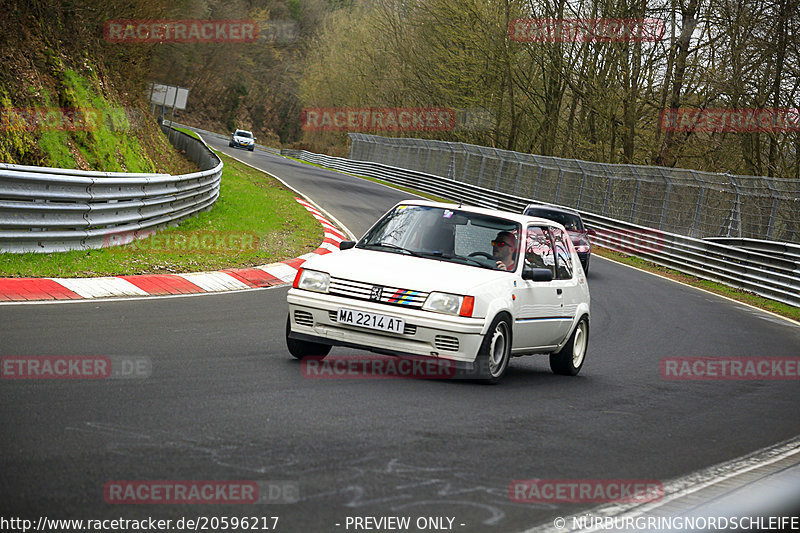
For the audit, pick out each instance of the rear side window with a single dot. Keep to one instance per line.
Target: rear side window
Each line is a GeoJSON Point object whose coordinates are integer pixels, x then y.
{"type": "Point", "coordinates": [563, 254]}
{"type": "Point", "coordinates": [539, 249]}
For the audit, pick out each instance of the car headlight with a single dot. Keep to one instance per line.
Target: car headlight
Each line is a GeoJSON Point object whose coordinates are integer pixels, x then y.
{"type": "Point", "coordinates": [312, 280]}
{"type": "Point", "coordinates": [452, 304]}
{"type": "Point", "coordinates": [582, 246]}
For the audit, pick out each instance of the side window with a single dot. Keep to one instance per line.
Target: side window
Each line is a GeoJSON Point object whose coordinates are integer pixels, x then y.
{"type": "Point", "coordinates": [539, 249]}
{"type": "Point", "coordinates": [563, 255]}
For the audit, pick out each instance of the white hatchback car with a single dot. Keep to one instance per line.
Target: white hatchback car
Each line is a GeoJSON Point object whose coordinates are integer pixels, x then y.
{"type": "Point", "coordinates": [242, 139]}
{"type": "Point", "coordinates": [449, 282]}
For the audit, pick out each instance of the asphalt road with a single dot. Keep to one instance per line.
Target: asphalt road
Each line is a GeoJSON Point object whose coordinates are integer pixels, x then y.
{"type": "Point", "coordinates": [225, 401]}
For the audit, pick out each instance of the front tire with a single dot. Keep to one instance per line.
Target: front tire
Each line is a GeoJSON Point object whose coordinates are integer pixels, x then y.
{"type": "Point", "coordinates": [495, 351]}
{"type": "Point", "coordinates": [569, 361]}
{"type": "Point", "coordinates": [301, 349]}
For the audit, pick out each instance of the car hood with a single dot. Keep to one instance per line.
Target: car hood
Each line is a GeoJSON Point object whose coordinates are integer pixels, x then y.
{"type": "Point", "coordinates": [576, 236]}
{"type": "Point", "coordinates": [403, 271]}
{"type": "Point", "coordinates": [242, 139]}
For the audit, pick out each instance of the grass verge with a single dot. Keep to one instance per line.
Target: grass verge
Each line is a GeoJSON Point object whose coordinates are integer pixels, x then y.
{"type": "Point", "coordinates": [255, 221]}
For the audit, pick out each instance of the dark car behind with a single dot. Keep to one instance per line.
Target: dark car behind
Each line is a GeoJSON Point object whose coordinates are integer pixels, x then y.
{"type": "Point", "coordinates": [572, 221]}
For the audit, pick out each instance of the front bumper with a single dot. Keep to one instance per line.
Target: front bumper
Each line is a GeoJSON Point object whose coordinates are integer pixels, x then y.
{"type": "Point", "coordinates": [313, 318]}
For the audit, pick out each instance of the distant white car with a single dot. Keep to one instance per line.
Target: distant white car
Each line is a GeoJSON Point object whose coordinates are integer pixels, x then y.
{"type": "Point", "coordinates": [451, 282]}
{"type": "Point", "coordinates": [242, 139]}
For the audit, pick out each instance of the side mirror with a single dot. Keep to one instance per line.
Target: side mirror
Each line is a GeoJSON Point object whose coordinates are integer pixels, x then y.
{"type": "Point", "coordinates": [591, 232]}
{"type": "Point", "coordinates": [346, 245]}
{"type": "Point", "coordinates": [537, 274]}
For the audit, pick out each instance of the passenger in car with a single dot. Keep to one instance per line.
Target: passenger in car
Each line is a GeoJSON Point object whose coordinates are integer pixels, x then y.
{"type": "Point", "coordinates": [504, 250]}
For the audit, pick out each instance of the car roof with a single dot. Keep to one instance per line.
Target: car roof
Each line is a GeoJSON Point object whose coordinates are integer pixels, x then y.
{"type": "Point", "coordinates": [243, 131]}
{"type": "Point", "coordinates": [552, 209]}
{"type": "Point", "coordinates": [516, 217]}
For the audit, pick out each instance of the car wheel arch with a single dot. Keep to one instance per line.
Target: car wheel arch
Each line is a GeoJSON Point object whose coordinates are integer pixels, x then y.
{"type": "Point", "coordinates": [580, 315]}
{"type": "Point", "coordinates": [495, 309]}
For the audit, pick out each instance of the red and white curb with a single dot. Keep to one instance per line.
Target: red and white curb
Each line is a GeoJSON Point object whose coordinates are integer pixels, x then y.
{"type": "Point", "coordinates": [29, 289]}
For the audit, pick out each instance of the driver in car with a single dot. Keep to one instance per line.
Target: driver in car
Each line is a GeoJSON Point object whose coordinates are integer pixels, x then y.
{"type": "Point", "coordinates": [503, 247]}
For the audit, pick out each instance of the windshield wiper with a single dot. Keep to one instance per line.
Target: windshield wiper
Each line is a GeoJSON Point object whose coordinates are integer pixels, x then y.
{"type": "Point", "coordinates": [470, 259]}
{"type": "Point", "coordinates": [392, 247]}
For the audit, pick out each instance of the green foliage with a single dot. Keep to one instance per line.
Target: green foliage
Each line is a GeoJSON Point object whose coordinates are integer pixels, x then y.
{"type": "Point", "coordinates": [596, 100]}
{"type": "Point", "coordinates": [16, 142]}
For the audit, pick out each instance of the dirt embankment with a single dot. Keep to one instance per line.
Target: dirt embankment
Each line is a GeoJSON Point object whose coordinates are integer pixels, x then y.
{"type": "Point", "coordinates": [69, 99]}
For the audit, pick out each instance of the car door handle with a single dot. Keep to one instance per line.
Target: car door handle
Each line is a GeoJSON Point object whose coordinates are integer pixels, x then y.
{"type": "Point", "coordinates": [559, 291]}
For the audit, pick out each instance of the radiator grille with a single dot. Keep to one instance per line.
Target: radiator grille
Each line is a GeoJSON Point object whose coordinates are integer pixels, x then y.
{"type": "Point", "coordinates": [388, 295]}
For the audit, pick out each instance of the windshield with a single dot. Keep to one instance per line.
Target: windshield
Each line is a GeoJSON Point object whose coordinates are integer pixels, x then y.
{"type": "Point", "coordinates": [247, 134]}
{"type": "Point", "coordinates": [446, 234]}
{"type": "Point", "coordinates": [568, 220]}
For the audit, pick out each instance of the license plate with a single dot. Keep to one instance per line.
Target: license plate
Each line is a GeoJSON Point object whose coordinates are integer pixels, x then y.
{"type": "Point", "coordinates": [370, 320]}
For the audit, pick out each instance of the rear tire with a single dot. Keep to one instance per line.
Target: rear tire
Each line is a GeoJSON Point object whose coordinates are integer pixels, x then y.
{"type": "Point", "coordinates": [569, 361]}
{"type": "Point", "coordinates": [301, 349]}
{"type": "Point", "coordinates": [495, 351]}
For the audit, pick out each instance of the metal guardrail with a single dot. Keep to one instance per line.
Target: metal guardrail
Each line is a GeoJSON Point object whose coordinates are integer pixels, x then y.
{"type": "Point", "coordinates": [45, 209]}
{"type": "Point", "coordinates": [221, 137]}
{"type": "Point", "coordinates": [786, 250]}
{"type": "Point", "coordinates": [775, 277]}
{"type": "Point", "coordinates": [681, 201]}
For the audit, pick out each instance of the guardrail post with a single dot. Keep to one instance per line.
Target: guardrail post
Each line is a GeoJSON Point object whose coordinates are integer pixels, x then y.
{"type": "Point", "coordinates": [610, 177]}
{"type": "Point", "coordinates": [560, 179]}
{"type": "Point", "coordinates": [696, 224]}
{"type": "Point", "coordinates": [635, 194]}
{"type": "Point", "coordinates": [538, 180]}
{"type": "Point", "coordinates": [427, 166]}
{"type": "Point", "coordinates": [583, 185]}
{"type": "Point", "coordinates": [666, 198]}
{"type": "Point", "coordinates": [519, 174]}
{"type": "Point", "coordinates": [499, 170]}
{"type": "Point", "coordinates": [775, 203]}
{"type": "Point", "coordinates": [736, 211]}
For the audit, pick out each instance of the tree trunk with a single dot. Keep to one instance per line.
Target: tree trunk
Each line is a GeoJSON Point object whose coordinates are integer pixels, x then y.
{"type": "Point", "coordinates": [667, 157]}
